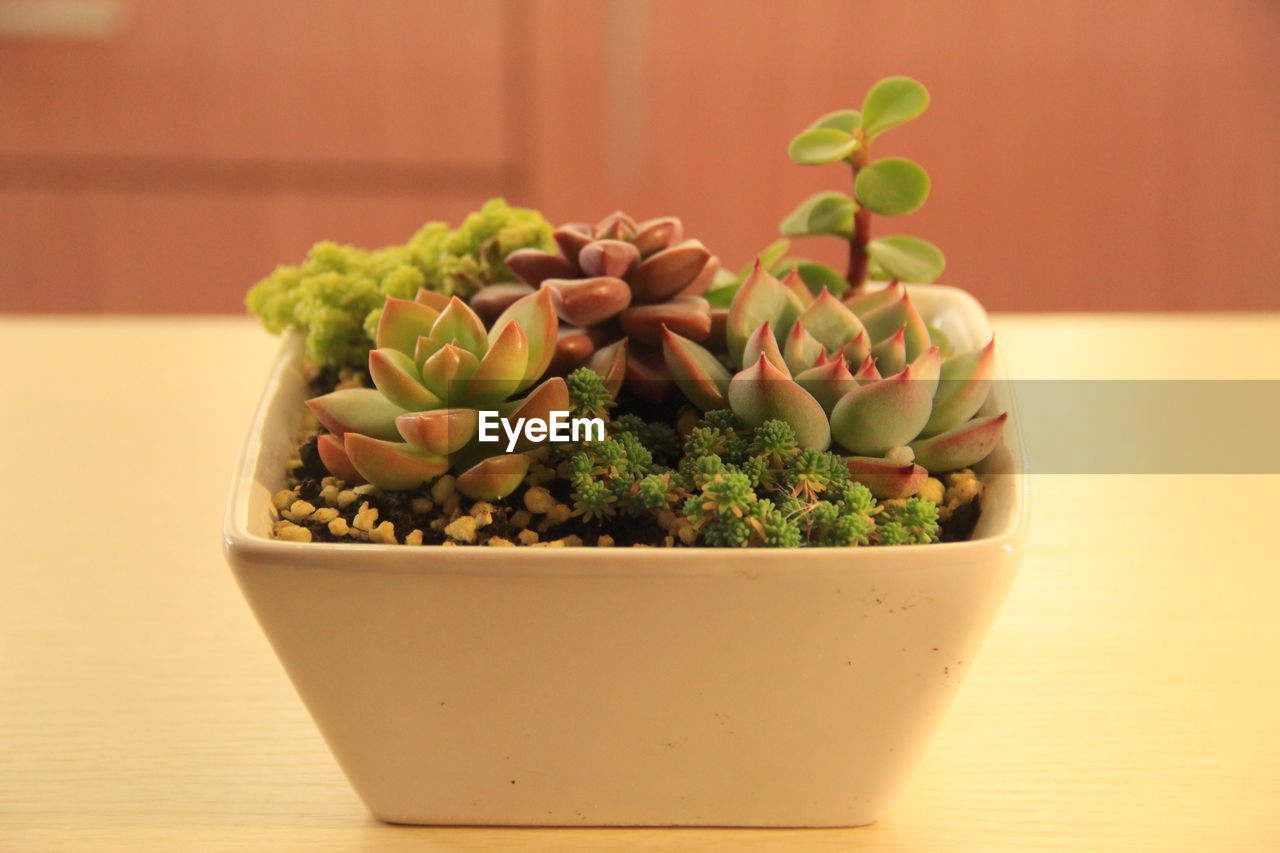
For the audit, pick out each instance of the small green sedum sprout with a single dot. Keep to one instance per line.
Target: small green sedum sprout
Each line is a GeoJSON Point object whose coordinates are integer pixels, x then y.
{"type": "Point", "coordinates": [890, 186]}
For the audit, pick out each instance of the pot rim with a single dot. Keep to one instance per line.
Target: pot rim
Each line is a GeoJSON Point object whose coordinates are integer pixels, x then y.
{"type": "Point", "coordinates": [243, 546]}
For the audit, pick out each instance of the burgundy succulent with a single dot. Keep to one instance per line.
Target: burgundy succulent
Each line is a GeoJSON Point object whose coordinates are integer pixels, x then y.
{"type": "Point", "coordinates": [615, 285]}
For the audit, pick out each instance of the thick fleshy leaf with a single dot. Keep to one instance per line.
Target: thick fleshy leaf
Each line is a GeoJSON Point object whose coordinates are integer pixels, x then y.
{"type": "Point", "coordinates": [402, 322]}
{"type": "Point", "coordinates": [857, 350]}
{"type": "Point", "coordinates": [647, 374]}
{"type": "Point", "coordinates": [690, 317]}
{"type": "Point", "coordinates": [494, 478]}
{"type": "Point", "coordinates": [792, 281]}
{"type": "Point", "coordinates": [654, 235]}
{"type": "Point", "coordinates": [801, 350]}
{"type": "Point", "coordinates": [588, 301]}
{"type": "Point", "coordinates": [891, 353]}
{"type": "Point", "coordinates": [886, 480]}
{"type": "Point", "coordinates": [333, 453]}
{"type": "Point", "coordinates": [894, 186]}
{"type": "Point", "coordinates": [432, 299]}
{"type": "Point", "coordinates": [927, 369]}
{"type": "Point", "coordinates": [867, 371]}
{"type": "Point", "coordinates": [965, 383]}
{"type": "Point", "coordinates": [489, 302]}
{"type": "Point", "coordinates": [942, 341]}
{"type": "Point", "coordinates": [868, 301]}
{"type": "Point", "coordinates": [846, 120]}
{"type": "Point", "coordinates": [821, 145]}
{"type": "Point", "coordinates": [611, 258]}
{"type": "Point", "coordinates": [611, 363]}
{"type": "Point", "coordinates": [502, 368]}
{"type": "Point", "coordinates": [821, 213]}
{"type": "Point", "coordinates": [831, 322]}
{"type": "Point", "coordinates": [663, 275]}
{"type": "Point", "coordinates": [441, 432]}
{"type": "Point", "coordinates": [702, 282]}
{"type": "Point", "coordinates": [459, 325]}
{"type": "Point", "coordinates": [571, 238]}
{"type": "Point", "coordinates": [534, 266]}
{"type": "Point", "coordinates": [884, 321]}
{"type": "Point", "coordinates": [827, 382]}
{"type": "Point", "coordinates": [871, 419]}
{"type": "Point", "coordinates": [397, 377]}
{"type": "Point", "coordinates": [891, 102]}
{"type": "Point", "coordinates": [907, 258]}
{"type": "Point", "coordinates": [762, 392]}
{"type": "Point", "coordinates": [392, 465]}
{"type": "Point", "coordinates": [537, 317]}
{"type": "Point", "coordinates": [573, 347]}
{"type": "Point", "coordinates": [362, 410]}
{"type": "Point", "coordinates": [966, 445]}
{"type": "Point", "coordinates": [447, 372]}
{"type": "Point", "coordinates": [615, 226]}
{"type": "Point", "coordinates": [698, 373]}
{"type": "Point", "coordinates": [762, 298]}
{"type": "Point", "coordinates": [762, 342]}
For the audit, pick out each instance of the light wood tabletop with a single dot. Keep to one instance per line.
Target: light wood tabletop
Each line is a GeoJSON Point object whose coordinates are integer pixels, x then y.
{"type": "Point", "coordinates": [1128, 696]}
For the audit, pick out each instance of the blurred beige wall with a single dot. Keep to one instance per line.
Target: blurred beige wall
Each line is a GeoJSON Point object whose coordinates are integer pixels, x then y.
{"type": "Point", "coordinates": [1084, 155]}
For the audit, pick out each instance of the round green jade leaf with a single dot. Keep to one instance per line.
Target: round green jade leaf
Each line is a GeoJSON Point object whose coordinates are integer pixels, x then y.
{"type": "Point", "coordinates": [821, 145]}
{"type": "Point", "coordinates": [893, 186]}
{"type": "Point", "coordinates": [907, 258]}
{"type": "Point", "coordinates": [891, 102]}
{"type": "Point", "coordinates": [821, 213]}
{"type": "Point", "coordinates": [846, 120]}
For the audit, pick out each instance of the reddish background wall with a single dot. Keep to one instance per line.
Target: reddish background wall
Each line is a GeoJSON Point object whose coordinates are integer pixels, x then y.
{"type": "Point", "coordinates": [1085, 155]}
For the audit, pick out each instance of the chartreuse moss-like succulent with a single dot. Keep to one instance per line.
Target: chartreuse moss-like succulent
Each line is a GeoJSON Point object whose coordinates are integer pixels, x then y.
{"type": "Point", "coordinates": [434, 367]}
{"type": "Point", "coordinates": [615, 284]}
{"type": "Point", "coordinates": [336, 294]}
{"type": "Point", "coordinates": [889, 186]}
{"type": "Point", "coordinates": [864, 377]}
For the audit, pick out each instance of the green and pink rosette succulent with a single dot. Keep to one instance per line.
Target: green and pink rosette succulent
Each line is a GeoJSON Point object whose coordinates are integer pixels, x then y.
{"type": "Point", "coordinates": [864, 378]}
{"type": "Point", "coordinates": [434, 366]}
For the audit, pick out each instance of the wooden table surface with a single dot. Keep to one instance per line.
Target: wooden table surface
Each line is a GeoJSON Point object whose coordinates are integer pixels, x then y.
{"type": "Point", "coordinates": [1127, 698]}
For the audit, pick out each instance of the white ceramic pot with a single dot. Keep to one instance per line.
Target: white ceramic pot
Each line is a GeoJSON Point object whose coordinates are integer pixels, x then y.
{"type": "Point", "coordinates": [624, 686]}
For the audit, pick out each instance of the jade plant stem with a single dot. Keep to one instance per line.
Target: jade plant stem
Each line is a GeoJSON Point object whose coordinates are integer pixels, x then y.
{"type": "Point", "coordinates": [856, 274]}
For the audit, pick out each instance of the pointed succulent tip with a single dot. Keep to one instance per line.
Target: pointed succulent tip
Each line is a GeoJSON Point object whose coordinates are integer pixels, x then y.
{"type": "Point", "coordinates": [489, 302]}
{"type": "Point", "coordinates": [494, 478]}
{"type": "Point", "coordinates": [763, 392]}
{"type": "Point", "coordinates": [333, 454]}
{"type": "Point", "coordinates": [762, 343]}
{"type": "Point", "coordinates": [885, 479]}
{"type": "Point", "coordinates": [795, 283]}
{"type": "Point", "coordinates": [432, 298]}
{"type": "Point", "coordinates": [502, 368]}
{"type": "Point", "coordinates": [536, 315]}
{"type": "Point", "coordinates": [390, 465]}
{"type": "Point", "coordinates": [962, 447]}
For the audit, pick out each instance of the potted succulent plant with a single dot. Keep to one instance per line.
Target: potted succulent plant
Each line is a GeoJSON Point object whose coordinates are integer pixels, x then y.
{"type": "Point", "coordinates": [508, 510]}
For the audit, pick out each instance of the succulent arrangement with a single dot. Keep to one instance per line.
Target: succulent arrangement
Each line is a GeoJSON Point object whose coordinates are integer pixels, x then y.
{"type": "Point", "coordinates": [818, 412]}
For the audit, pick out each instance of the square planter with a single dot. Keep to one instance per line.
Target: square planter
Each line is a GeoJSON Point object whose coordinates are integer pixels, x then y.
{"type": "Point", "coordinates": [625, 686]}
